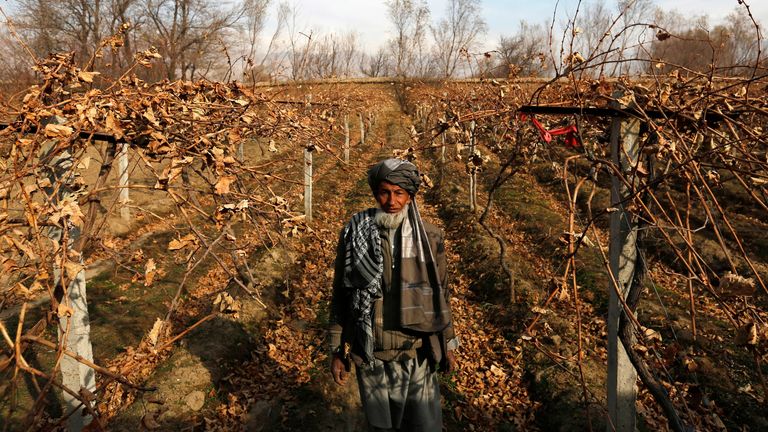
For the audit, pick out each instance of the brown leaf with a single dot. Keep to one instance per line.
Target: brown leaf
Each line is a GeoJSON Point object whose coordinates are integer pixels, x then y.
{"type": "Point", "coordinates": [662, 35]}
{"type": "Point", "coordinates": [150, 269]}
{"type": "Point", "coordinates": [149, 421]}
{"type": "Point", "coordinates": [222, 186]}
{"type": "Point", "coordinates": [149, 114]}
{"type": "Point", "coordinates": [69, 209]}
{"type": "Point", "coordinates": [732, 285]}
{"type": "Point", "coordinates": [187, 240]}
{"type": "Point", "coordinates": [24, 247]}
{"type": "Point", "coordinates": [57, 131]}
{"type": "Point", "coordinates": [747, 335]}
{"type": "Point", "coordinates": [154, 334]}
{"type": "Point", "coordinates": [87, 76]}
{"type": "Point", "coordinates": [72, 269]}
{"type": "Point", "coordinates": [64, 311]}
{"type": "Point", "coordinates": [113, 126]}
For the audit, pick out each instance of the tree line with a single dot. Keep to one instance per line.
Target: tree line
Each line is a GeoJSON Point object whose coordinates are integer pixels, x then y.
{"type": "Point", "coordinates": [257, 40]}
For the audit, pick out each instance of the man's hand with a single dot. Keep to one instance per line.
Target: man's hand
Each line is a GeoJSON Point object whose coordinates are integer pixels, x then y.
{"type": "Point", "coordinates": [453, 366]}
{"type": "Point", "coordinates": [339, 370]}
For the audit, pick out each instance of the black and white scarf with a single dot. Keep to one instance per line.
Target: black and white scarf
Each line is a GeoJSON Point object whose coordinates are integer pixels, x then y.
{"type": "Point", "coordinates": [363, 269]}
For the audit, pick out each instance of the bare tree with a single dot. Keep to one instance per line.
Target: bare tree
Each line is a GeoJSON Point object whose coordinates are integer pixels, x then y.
{"type": "Point", "coordinates": [409, 18]}
{"type": "Point", "coordinates": [71, 25]}
{"type": "Point", "coordinates": [332, 56]}
{"type": "Point", "coordinates": [324, 60]}
{"type": "Point", "coordinates": [589, 34]}
{"type": "Point", "coordinates": [690, 44]}
{"type": "Point", "coordinates": [457, 32]}
{"type": "Point", "coordinates": [255, 13]}
{"type": "Point", "coordinates": [283, 13]}
{"type": "Point", "coordinates": [122, 13]}
{"type": "Point", "coordinates": [15, 65]}
{"type": "Point", "coordinates": [612, 40]}
{"type": "Point", "coordinates": [375, 65]}
{"type": "Point", "coordinates": [187, 32]}
{"type": "Point", "coordinates": [300, 45]}
{"type": "Point", "coordinates": [698, 49]}
{"type": "Point", "coordinates": [522, 53]}
{"type": "Point", "coordinates": [633, 14]}
{"type": "Point", "coordinates": [80, 26]}
{"type": "Point", "coordinates": [254, 17]}
{"type": "Point", "coordinates": [349, 52]}
{"type": "Point", "coordinates": [743, 40]}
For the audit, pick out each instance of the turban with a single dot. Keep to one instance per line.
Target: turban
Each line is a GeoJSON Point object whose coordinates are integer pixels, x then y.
{"type": "Point", "coordinates": [396, 171]}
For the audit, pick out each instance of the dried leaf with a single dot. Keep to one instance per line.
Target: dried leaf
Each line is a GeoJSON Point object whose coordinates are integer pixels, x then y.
{"type": "Point", "coordinates": [746, 335]}
{"type": "Point", "coordinates": [24, 247]}
{"type": "Point", "coordinates": [222, 186]}
{"type": "Point", "coordinates": [149, 421]}
{"type": "Point", "coordinates": [57, 131]}
{"type": "Point", "coordinates": [72, 269]}
{"type": "Point", "coordinates": [150, 270]}
{"type": "Point", "coordinates": [84, 163]}
{"type": "Point", "coordinates": [498, 371]}
{"type": "Point", "coordinates": [732, 285]}
{"type": "Point", "coordinates": [87, 76]}
{"type": "Point", "coordinates": [186, 241]}
{"type": "Point", "coordinates": [154, 334]}
{"type": "Point", "coordinates": [662, 35]}
{"type": "Point", "coordinates": [64, 311]}
{"type": "Point", "coordinates": [651, 334]}
{"type": "Point", "coordinates": [70, 210]}
{"type": "Point", "coordinates": [113, 125]}
{"type": "Point", "coordinates": [149, 114]}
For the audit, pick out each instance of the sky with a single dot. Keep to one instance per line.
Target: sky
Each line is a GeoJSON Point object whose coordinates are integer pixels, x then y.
{"type": "Point", "coordinates": [369, 17]}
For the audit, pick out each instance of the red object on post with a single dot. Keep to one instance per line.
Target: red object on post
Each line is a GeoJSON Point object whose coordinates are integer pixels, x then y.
{"type": "Point", "coordinates": [570, 132]}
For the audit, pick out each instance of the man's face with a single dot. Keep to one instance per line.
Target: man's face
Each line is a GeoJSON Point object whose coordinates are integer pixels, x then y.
{"type": "Point", "coordinates": [391, 198]}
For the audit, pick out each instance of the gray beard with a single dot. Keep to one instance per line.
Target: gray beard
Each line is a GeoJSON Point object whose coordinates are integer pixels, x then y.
{"type": "Point", "coordinates": [391, 220]}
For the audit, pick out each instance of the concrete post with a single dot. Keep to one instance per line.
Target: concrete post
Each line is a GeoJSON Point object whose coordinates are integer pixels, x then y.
{"type": "Point", "coordinates": [472, 176]}
{"type": "Point", "coordinates": [622, 377]}
{"type": "Point", "coordinates": [346, 138]}
{"type": "Point", "coordinates": [362, 129]}
{"type": "Point", "coordinates": [74, 375]}
{"type": "Point", "coordinates": [123, 184]}
{"type": "Point", "coordinates": [308, 183]}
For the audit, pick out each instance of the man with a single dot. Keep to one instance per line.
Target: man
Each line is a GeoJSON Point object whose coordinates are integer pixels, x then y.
{"type": "Point", "coordinates": [390, 313]}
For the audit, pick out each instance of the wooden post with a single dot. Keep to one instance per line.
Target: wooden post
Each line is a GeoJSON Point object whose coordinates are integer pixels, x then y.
{"type": "Point", "coordinates": [362, 129]}
{"type": "Point", "coordinates": [308, 183]}
{"type": "Point", "coordinates": [622, 377]}
{"type": "Point", "coordinates": [472, 176]}
{"type": "Point", "coordinates": [124, 198]}
{"type": "Point", "coordinates": [346, 138]}
{"type": "Point", "coordinates": [74, 330]}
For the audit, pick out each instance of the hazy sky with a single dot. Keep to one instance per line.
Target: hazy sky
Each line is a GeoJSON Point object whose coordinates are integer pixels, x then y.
{"type": "Point", "coordinates": [369, 17]}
